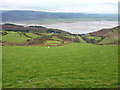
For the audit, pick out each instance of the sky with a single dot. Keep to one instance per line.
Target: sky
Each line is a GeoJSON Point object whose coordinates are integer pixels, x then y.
{"type": "Point", "coordinates": [81, 6]}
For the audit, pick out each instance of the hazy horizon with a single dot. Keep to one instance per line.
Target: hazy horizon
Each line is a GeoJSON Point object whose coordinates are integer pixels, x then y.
{"type": "Point", "coordinates": [58, 12]}
{"type": "Point", "coordinates": [66, 6]}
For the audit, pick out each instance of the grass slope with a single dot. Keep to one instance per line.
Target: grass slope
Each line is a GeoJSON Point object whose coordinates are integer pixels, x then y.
{"type": "Point", "coordinates": [32, 35]}
{"type": "Point", "coordinates": [112, 35]}
{"type": "Point", "coordinates": [70, 66]}
{"type": "Point", "coordinates": [93, 37]}
{"type": "Point", "coordinates": [109, 40]}
{"type": "Point", "coordinates": [13, 37]}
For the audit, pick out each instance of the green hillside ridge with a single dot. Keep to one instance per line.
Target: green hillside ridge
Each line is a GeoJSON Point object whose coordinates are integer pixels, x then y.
{"type": "Point", "coordinates": [27, 39]}
{"type": "Point", "coordinates": [112, 37]}
{"type": "Point", "coordinates": [37, 35]}
{"type": "Point", "coordinates": [104, 36]}
{"type": "Point", "coordinates": [13, 37]}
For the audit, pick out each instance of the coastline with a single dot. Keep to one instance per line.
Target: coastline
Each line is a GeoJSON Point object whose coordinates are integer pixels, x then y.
{"type": "Point", "coordinates": [81, 27]}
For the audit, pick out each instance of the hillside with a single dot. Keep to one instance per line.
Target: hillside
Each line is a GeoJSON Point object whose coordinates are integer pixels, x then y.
{"type": "Point", "coordinates": [110, 35]}
{"type": "Point", "coordinates": [21, 15]}
{"type": "Point", "coordinates": [38, 35]}
{"type": "Point", "coordinates": [17, 35]}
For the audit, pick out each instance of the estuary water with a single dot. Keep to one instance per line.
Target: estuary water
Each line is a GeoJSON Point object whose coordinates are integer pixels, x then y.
{"type": "Point", "coordinates": [81, 27]}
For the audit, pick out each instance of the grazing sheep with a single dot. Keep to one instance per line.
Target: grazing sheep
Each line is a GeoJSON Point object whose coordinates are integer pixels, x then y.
{"type": "Point", "coordinates": [48, 46]}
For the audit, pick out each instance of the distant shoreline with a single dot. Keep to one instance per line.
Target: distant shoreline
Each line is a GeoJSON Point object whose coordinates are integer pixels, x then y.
{"type": "Point", "coordinates": [81, 27]}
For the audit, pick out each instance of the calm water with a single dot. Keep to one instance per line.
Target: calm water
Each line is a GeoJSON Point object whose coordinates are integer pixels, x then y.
{"type": "Point", "coordinates": [82, 26]}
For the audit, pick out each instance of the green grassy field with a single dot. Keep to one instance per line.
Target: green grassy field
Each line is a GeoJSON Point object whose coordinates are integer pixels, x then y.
{"type": "Point", "coordinates": [109, 40]}
{"type": "Point", "coordinates": [51, 41]}
{"type": "Point", "coordinates": [77, 65]}
{"type": "Point", "coordinates": [93, 37]}
{"type": "Point", "coordinates": [13, 37]}
{"type": "Point", "coordinates": [32, 35]}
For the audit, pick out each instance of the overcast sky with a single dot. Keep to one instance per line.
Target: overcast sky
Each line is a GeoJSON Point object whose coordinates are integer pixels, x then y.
{"type": "Point", "coordinates": [84, 6]}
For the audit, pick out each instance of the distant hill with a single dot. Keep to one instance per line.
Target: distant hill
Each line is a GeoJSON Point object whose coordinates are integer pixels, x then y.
{"type": "Point", "coordinates": [21, 15]}
{"type": "Point", "coordinates": [111, 35]}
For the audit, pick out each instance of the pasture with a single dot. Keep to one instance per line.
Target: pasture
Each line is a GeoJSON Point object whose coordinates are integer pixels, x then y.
{"type": "Point", "coordinates": [75, 65]}
{"type": "Point", "coordinates": [13, 37]}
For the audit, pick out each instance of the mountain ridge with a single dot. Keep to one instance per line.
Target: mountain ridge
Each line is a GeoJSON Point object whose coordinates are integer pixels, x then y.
{"type": "Point", "coordinates": [22, 15]}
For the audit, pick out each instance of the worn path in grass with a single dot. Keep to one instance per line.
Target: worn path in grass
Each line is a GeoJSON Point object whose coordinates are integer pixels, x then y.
{"type": "Point", "coordinates": [70, 66]}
